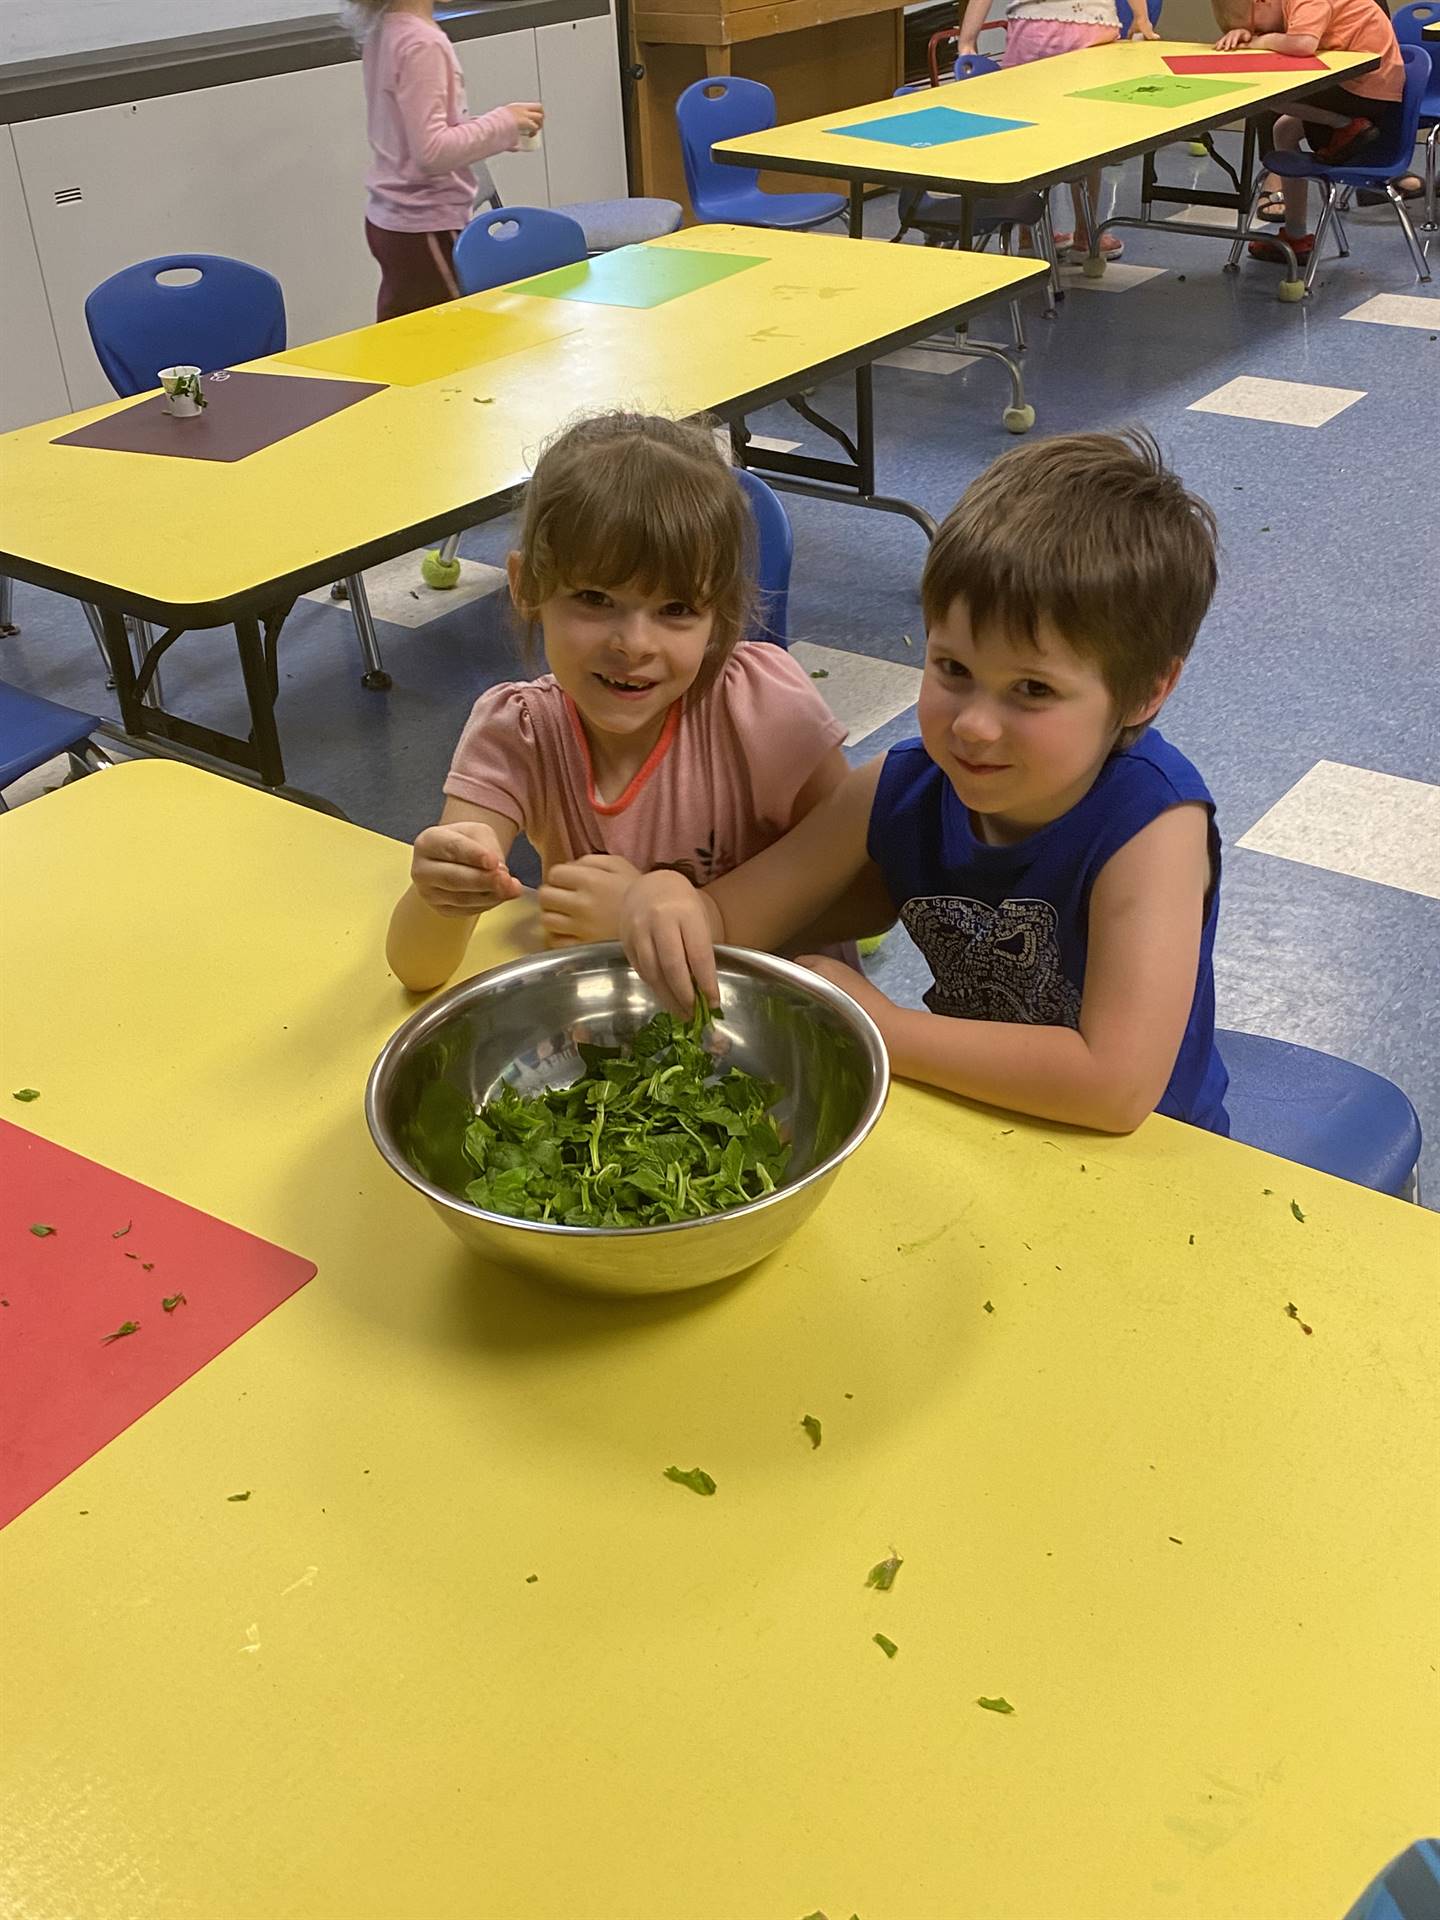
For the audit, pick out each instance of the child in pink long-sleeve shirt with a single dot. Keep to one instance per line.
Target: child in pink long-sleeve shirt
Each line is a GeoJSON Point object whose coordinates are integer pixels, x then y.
{"type": "Point", "coordinates": [423, 143]}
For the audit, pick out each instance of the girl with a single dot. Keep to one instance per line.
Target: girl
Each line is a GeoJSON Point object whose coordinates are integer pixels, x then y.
{"type": "Point", "coordinates": [1053, 858]}
{"type": "Point", "coordinates": [423, 144]}
{"type": "Point", "coordinates": [1034, 30]}
{"type": "Point", "coordinates": [657, 738]}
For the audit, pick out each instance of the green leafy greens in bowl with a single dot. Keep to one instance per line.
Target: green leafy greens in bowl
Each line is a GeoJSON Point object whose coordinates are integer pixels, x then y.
{"type": "Point", "coordinates": [648, 1135]}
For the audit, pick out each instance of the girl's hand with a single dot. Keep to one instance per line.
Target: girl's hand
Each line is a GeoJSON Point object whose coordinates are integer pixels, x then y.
{"type": "Point", "coordinates": [1141, 28]}
{"type": "Point", "coordinates": [458, 870]}
{"type": "Point", "coordinates": [1233, 41]}
{"type": "Point", "coordinates": [529, 115]}
{"type": "Point", "coordinates": [966, 49]}
{"type": "Point", "coordinates": [580, 899]}
{"type": "Point", "coordinates": [875, 1003]}
{"type": "Point", "coordinates": [668, 930]}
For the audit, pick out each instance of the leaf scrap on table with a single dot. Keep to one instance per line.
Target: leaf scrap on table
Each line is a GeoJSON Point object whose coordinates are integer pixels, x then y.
{"type": "Point", "coordinates": [122, 1332]}
{"type": "Point", "coordinates": [812, 1427]}
{"type": "Point", "coordinates": [882, 1575]}
{"type": "Point", "coordinates": [989, 1306]}
{"type": "Point", "coordinates": [26, 1093]}
{"type": "Point", "coordinates": [1000, 1705]}
{"type": "Point", "coordinates": [646, 1136]}
{"type": "Point", "coordinates": [697, 1480]}
{"type": "Point", "coordinates": [41, 1231]}
{"type": "Point", "coordinates": [173, 1300]}
{"type": "Point", "coordinates": [120, 1232]}
{"type": "Point", "coordinates": [887, 1647]}
{"type": "Point", "coordinates": [1295, 1209]}
{"type": "Point", "coordinates": [231, 1498]}
{"type": "Point", "coordinates": [1293, 1312]}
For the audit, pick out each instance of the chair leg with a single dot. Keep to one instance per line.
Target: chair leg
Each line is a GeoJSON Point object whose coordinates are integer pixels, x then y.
{"type": "Point", "coordinates": [1017, 326]}
{"type": "Point", "coordinates": [92, 615]}
{"type": "Point", "coordinates": [1249, 221]}
{"type": "Point", "coordinates": [1047, 233]}
{"type": "Point", "coordinates": [7, 607]}
{"type": "Point", "coordinates": [1322, 225]}
{"type": "Point", "coordinates": [375, 677]}
{"type": "Point", "coordinates": [1402, 214]}
{"type": "Point", "coordinates": [450, 549]}
{"type": "Point", "coordinates": [1432, 142]}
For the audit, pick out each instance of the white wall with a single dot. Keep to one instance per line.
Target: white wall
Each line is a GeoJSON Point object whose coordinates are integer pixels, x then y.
{"type": "Point", "coordinates": [32, 384]}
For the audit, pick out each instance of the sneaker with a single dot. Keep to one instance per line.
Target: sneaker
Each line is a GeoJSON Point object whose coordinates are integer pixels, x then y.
{"type": "Point", "coordinates": [1301, 245]}
{"type": "Point", "coordinates": [1345, 142]}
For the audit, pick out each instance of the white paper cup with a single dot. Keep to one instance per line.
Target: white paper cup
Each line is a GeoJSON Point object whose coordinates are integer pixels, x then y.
{"type": "Point", "coordinates": [182, 391]}
{"type": "Point", "coordinates": [530, 142]}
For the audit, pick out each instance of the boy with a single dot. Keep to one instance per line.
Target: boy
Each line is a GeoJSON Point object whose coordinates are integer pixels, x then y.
{"type": "Point", "coordinates": [1055, 861]}
{"type": "Point", "coordinates": [1343, 119]}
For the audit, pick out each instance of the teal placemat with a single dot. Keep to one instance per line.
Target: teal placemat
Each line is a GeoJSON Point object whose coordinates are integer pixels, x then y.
{"type": "Point", "coordinates": [928, 127]}
{"type": "Point", "coordinates": [1162, 90]}
{"type": "Point", "coordinates": [639, 276]}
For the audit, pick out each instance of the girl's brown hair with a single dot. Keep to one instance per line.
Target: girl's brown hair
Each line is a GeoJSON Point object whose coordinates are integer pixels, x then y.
{"type": "Point", "coordinates": [631, 499]}
{"type": "Point", "coordinates": [1092, 533]}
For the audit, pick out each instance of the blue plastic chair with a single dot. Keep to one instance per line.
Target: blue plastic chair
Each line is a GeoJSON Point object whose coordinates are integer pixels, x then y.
{"type": "Point", "coordinates": [608, 224]}
{"type": "Point", "coordinates": [1321, 1112]}
{"type": "Point", "coordinates": [33, 731]}
{"type": "Point", "coordinates": [1409, 24]}
{"type": "Point", "coordinates": [1380, 168]}
{"type": "Point", "coordinates": [139, 324]}
{"type": "Point", "coordinates": [776, 552]}
{"type": "Point", "coordinates": [514, 243]}
{"type": "Point", "coordinates": [722, 109]}
{"type": "Point", "coordinates": [1408, 1889]}
{"type": "Point", "coordinates": [234, 311]}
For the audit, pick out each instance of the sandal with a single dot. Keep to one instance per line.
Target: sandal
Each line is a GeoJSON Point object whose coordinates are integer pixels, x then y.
{"type": "Point", "coordinates": [1271, 209]}
{"type": "Point", "coordinates": [1111, 247]}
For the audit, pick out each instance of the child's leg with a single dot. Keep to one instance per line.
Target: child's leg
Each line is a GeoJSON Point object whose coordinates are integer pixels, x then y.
{"type": "Point", "coordinates": [415, 270]}
{"type": "Point", "coordinates": [1110, 243]}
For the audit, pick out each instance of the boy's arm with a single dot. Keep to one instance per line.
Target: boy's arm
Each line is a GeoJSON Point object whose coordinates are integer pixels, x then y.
{"type": "Point", "coordinates": [1306, 22]}
{"type": "Point", "coordinates": [670, 930]}
{"type": "Point", "coordinates": [458, 872]}
{"type": "Point", "coordinates": [1146, 913]}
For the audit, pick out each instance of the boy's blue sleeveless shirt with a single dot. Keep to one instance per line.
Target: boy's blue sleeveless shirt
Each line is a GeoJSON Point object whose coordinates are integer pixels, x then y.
{"type": "Point", "coordinates": [1005, 929]}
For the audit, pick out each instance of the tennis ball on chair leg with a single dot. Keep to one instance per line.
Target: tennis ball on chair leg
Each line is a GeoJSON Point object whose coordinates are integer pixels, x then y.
{"type": "Point", "coordinates": [438, 573]}
{"type": "Point", "coordinates": [1292, 290]}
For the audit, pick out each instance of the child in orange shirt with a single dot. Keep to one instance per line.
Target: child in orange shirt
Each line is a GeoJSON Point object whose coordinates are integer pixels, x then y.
{"type": "Point", "coordinates": [1341, 121]}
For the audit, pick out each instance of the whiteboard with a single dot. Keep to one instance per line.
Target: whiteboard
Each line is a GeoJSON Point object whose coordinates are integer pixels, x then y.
{"type": "Point", "coordinates": [51, 30]}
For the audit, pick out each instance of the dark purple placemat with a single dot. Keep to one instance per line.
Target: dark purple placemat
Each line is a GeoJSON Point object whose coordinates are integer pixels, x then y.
{"type": "Point", "coordinates": [246, 411]}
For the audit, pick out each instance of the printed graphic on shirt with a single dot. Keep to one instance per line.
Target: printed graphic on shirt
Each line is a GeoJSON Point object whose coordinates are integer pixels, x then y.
{"type": "Point", "coordinates": [993, 963]}
{"type": "Point", "coordinates": [699, 871]}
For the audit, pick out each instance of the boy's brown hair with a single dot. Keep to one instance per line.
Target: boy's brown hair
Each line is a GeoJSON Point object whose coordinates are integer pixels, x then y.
{"type": "Point", "coordinates": [632, 499]}
{"type": "Point", "coordinates": [1230, 14]}
{"type": "Point", "coordinates": [1092, 534]}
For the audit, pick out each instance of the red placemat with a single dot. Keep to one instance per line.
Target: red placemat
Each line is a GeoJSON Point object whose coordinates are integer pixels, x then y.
{"type": "Point", "coordinates": [118, 1251]}
{"type": "Point", "coordinates": [1241, 63]}
{"type": "Point", "coordinates": [244, 412]}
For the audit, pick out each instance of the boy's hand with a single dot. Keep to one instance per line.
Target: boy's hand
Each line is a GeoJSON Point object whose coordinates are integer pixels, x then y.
{"type": "Point", "coordinates": [1233, 41]}
{"type": "Point", "coordinates": [458, 870]}
{"type": "Point", "coordinates": [529, 114]}
{"type": "Point", "coordinates": [669, 934]}
{"type": "Point", "coordinates": [580, 899]}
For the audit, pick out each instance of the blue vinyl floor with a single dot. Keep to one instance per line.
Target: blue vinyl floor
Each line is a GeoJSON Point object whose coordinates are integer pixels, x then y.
{"type": "Point", "coordinates": [1321, 648]}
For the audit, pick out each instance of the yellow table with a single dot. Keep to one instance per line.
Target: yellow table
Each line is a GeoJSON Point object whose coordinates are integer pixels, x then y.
{"type": "Point", "coordinates": [477, 387]}
{"type": "Point", "coordinates": [1194, 1548]}
{"type": "Point", "coordinates": [1065, 138]}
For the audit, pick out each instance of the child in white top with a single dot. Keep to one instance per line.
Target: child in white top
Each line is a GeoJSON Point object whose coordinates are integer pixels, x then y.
{"type": "Point", "coordinates": [424, 143]}
{"type": "Point", "coordinates": [1038, 29]}
{"type": "Point", "coordinates": [658, 738]}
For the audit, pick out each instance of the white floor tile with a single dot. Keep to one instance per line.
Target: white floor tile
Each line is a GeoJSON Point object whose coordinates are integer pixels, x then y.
{"type": "Point", "coordinates": [1289, 403]}
{"type": "Point", "coordinates": [1118, 277]}
{"type": "Point", "coordinates": [1201, 217]}
{"type": "Point", "coordinates": [1399, 310]}
{"type": "Point", "coordinates": [1373, 826]}
{"type": "Point", "coordinates": [44, 779]}
{"type": "Point", "coordinates": [400, 598]}
{"type": "Point", "coordinates": [927, 360]}
{"type": "Point", "coordinates": [862, 692]}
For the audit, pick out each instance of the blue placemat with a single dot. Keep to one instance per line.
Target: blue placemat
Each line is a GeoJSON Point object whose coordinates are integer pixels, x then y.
{"type": "Point", "coordinates": [928, 127]}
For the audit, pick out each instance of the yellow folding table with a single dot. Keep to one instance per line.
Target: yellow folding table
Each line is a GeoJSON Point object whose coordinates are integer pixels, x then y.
{"type": "Point", "coordinates": [466, 1654]}
{"type": "Point", "coordinates": [1055, 128]}
{"type": "Point", "coordinates": [471, 390]}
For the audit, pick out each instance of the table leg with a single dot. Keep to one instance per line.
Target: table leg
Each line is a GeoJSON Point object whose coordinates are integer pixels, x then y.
{"type": "Point", "coordinates": [8, 628]}
{"type": "Point", "coordinates": [264, 734]}
{"type": "Point", "coordinates": [857, 210]}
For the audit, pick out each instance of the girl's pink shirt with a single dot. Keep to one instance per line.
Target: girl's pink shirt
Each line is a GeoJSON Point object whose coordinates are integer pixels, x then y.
{"type": "Point", "coordinates": [720, 786]}
{"type": "Point", "coordinates": [423, 141]}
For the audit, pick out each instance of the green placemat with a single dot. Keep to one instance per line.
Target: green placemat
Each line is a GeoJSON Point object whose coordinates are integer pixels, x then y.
{"type": "Point", "coordinates": [638, 276]}
{"type": "Point", "coordinates": [1162, 90]}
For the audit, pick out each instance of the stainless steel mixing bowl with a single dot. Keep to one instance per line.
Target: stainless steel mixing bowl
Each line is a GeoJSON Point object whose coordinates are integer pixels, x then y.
{"type": "Point", "coordinates": [520, 1023]}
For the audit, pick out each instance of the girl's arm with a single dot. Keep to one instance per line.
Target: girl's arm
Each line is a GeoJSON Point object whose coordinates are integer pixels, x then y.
{"type": "Point", "coordinates": [421, 91]}
{"type": "Point", "coordinates": [670, 929]}
{"type": "Point", "coordinates": [458, 872]}
{"type": "Point", "coordinates": [972, 24]}
{"type": "Point", "coordinates": [1146, 914]}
